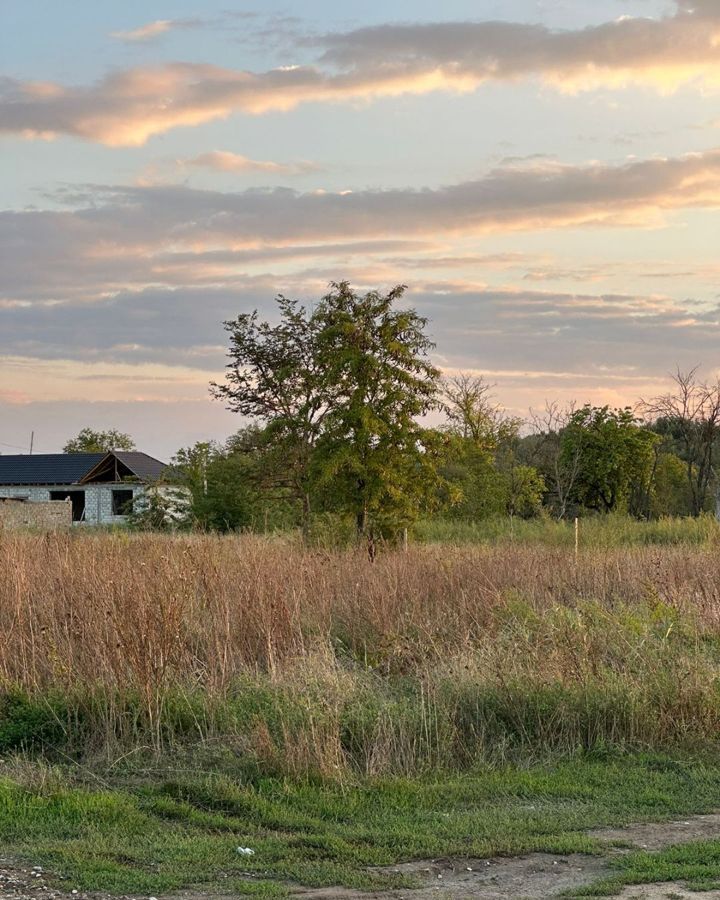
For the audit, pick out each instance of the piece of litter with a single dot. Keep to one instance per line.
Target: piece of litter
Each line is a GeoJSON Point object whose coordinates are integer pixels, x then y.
{"type": "Point", "coordinates": [245, 851]}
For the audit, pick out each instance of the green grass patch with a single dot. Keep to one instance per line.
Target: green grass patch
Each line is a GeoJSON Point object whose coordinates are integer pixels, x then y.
{"type": "Point", "coordinates": [608, 531]}
{"type": "Point", "coordinates": [159, 829]}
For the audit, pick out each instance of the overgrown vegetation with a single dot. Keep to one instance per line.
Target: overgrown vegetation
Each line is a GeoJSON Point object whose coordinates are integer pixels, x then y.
{"type": "Point", "coordinates": [317, 663]}
{"type": "Point", "coordinates": [166, 698]}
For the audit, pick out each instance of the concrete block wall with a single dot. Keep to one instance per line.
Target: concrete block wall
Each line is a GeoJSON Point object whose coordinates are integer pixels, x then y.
{"type": "Point", "coordinates": [35, 494]}
{"type": "Point", "coordinates": [98, 502]}
{"type": "Point", "coordinates": [98, 498]}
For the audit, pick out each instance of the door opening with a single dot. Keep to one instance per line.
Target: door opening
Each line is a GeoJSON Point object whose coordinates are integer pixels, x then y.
{"type": "Point", "coordinates": [77, 499]}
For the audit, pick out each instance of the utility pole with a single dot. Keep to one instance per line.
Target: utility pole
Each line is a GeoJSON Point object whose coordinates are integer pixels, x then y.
{"type": "Point", "coordinates": [32, 441]}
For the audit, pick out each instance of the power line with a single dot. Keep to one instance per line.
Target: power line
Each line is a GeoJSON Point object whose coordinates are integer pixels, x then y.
{"type": "Point", "coordinates": [17, 447]}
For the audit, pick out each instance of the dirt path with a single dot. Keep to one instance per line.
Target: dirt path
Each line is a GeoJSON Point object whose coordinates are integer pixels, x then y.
{"type": "Point", "coordinates": [531, 877]}
{"type": "Point", "coordinates": [536, 875]}
{"type": "Point", "coordinates": [541, 875]}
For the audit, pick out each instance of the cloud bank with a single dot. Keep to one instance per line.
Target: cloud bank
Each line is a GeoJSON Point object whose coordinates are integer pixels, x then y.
{"type": "Point", "coordinates": [147, 274]}
{"type": "Point", "coordinates": [580, 334]}
{"type": "Point", "coordinates": [516, 198]}
{"type": "Point", "coordinates": [127, 107]}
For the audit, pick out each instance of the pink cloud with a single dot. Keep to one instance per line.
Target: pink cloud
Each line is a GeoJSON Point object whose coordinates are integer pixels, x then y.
{"type": "Point", "coordinates": [128, 107]}
{"type": "Point", "coordinates": [225, 161]}
{"type": "Point", "coordinates": [144, 32]}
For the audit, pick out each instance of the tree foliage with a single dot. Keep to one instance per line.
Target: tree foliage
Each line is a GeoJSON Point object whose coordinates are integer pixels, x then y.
{"type": "Point", "coordinates": [90, 441]}
{"type": "Point", "coordinates": [615, 456]}
{"type": "Point", "coordinates": [276, 378]}
{"type": "Point", "coordinates": [232, 486]}
{"type": "Point", "coordinates": [558, 463]}
{"type": "Point", "coordinates": [372, 448]}
{"type": "Point", "coordinates": [482, 463]}
{"type": "Point", "coordinates": [689, 419]}
{"type": "Point", "coordinates": [472, 413]}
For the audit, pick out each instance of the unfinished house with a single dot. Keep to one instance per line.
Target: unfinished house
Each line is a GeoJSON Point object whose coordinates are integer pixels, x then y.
{"type": "Point", "coordinates": [101, 488]}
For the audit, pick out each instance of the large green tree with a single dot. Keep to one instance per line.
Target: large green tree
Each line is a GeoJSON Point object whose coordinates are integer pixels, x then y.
{"type": "Point", "coordinates": [615, 457]}
{"type": "Point", "coordinates": [379, 458]}
{"type": "Point", "coordinates": [338, 391]}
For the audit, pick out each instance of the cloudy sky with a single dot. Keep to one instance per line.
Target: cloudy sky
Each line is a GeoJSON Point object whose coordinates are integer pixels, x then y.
{"type": "Point", "coordinates": [543, 174]}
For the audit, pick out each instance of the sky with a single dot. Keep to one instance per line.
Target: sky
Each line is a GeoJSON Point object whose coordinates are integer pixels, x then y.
{"type": "Point", "coordinates": [544, 175]}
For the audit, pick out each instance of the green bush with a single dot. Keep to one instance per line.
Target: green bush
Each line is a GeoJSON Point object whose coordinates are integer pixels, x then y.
{"type": "Point", "coordinates": [32, 723]}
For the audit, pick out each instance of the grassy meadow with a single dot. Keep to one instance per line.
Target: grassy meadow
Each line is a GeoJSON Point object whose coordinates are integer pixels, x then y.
{"type": "Point", "coordinates": [165, 698]}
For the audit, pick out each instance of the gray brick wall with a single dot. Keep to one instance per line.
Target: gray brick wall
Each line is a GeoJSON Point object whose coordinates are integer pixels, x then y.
{"type": "Point", "coordinates": [98, 498]}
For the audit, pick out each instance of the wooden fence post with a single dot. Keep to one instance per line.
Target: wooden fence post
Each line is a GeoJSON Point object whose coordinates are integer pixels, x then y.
{"type": "Point", "coordinates": [577, 536]}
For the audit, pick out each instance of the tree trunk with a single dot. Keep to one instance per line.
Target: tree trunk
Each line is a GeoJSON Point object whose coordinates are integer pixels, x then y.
{"type": "Point", "coordinates": [361, 511]}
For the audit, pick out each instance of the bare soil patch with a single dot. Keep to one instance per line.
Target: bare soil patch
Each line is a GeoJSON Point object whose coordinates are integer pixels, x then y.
{"type": "Point", "coordinates": [533, 876]}
{"type": "Point", "coordinates": [651, 836]}
{"type": "Point", "coordinates": [19, 882]}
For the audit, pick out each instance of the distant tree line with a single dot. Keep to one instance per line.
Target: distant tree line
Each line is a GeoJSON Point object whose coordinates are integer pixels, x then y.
{"type": "Point", "coordinates": [337, 399]}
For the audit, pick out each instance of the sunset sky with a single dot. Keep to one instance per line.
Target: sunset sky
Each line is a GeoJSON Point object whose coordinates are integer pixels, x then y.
{"type": "Point", "coordinates": [544, 175]}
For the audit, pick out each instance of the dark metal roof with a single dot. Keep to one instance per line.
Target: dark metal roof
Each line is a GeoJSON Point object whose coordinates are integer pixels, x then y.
{"type": "Point", "coordinates": [47, 468]}
{"type": "Point", "coordinates": [141, 464]}
{"type": "Point", "coordinates": [72, 468]}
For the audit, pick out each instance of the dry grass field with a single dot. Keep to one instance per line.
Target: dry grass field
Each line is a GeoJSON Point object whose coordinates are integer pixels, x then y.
{"type": "Point", "coordinates": [322, 662]}
{"type": "Point", "coordinates": [166, 699]}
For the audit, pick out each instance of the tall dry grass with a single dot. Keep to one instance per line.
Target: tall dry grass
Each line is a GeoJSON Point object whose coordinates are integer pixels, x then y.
{"type": "Point", "coordinates": [307, 661]}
